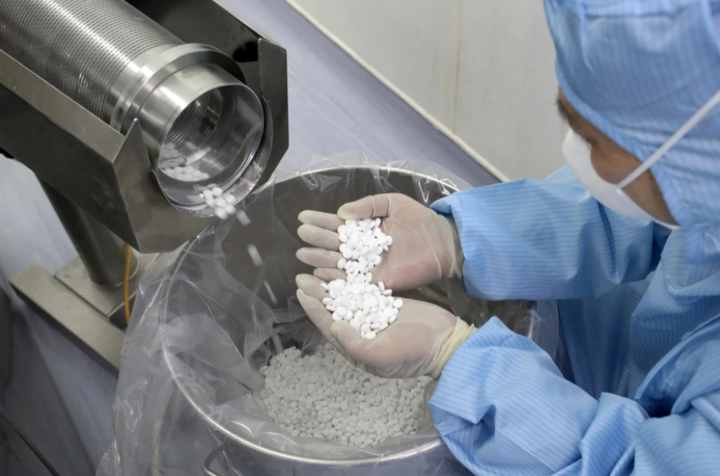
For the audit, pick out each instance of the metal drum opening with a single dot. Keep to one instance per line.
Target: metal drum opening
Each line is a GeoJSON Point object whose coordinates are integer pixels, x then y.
{"type": "Point", "coordinates": [210, 143]}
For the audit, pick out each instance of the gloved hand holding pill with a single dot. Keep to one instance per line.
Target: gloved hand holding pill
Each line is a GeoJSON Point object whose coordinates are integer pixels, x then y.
{"type": "Point", "coordinates": [372, 246]}
{"type": "Point", "coordinates": [419, 342]}
{"type": "Point", "coordinates": [424, 243]}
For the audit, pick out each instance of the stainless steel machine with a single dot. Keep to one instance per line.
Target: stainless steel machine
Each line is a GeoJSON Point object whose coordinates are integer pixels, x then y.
{"type": "Point", "coordinates": [104, 100]}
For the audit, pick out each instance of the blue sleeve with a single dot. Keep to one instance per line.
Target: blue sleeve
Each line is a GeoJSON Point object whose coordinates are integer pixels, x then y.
{"type": "Point", "coordinates": [548, 239]}
{"type": "Point", "coordinates": [503, 408]}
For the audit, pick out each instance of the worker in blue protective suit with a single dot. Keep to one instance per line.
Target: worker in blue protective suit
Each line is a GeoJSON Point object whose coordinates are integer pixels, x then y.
{"type": "Point", "coordinates": [627, 239]}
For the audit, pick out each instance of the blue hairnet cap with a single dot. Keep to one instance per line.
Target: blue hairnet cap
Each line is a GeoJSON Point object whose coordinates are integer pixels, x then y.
{"type": "Point", "coordinates": [638, 70]}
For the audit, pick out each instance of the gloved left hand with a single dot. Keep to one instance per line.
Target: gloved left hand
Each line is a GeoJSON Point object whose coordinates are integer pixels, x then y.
{"type": "Point", "coordinates": [425, 244]}
{"type": "Point", "coordinates": [420, 342]}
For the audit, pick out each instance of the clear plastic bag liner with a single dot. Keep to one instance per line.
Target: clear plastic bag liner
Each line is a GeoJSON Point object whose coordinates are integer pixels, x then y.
{"type": "Point", "coordinates": [205, 320]}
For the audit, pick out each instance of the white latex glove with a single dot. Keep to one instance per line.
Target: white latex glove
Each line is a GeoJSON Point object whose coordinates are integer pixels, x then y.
{"type": "Point", "coordinates": [425, 247]}
{"type": "Point", "coordinates": [420, 342]}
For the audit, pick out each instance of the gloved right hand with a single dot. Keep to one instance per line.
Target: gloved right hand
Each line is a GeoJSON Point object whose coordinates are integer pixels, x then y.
{"type": "Point", "coordinates": [420, 342]}
{"type": "Point", "coordinates": [424, 245]}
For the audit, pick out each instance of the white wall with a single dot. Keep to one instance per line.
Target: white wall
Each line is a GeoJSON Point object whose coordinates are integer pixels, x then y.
{"type": "Point", "coordinates": [482, 68]}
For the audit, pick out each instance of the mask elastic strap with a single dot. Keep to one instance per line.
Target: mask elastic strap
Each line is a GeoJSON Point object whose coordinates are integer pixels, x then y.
{"type": "Point", "coordinates": [674, 139]}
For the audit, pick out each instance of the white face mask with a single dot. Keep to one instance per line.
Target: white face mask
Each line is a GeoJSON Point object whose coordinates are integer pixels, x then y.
{"type": "Point", "coordinates": [577, 155]}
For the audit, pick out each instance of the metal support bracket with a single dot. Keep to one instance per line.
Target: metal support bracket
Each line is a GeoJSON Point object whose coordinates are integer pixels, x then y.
{"type": "Point", "coordinates": [108, 301]}
{"type": "Point", "coordinates": [80, 309]}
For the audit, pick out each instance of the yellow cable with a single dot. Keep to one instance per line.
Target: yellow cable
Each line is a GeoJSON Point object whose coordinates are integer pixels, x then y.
{"type": "Point", "coordinates": [126, 283]}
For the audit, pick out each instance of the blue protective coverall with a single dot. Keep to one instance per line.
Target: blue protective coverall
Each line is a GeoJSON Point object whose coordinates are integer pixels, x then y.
{"type": "Point", "coordinates": [639, 307]}
{"type": "Point", "coordinates": [641, 328]}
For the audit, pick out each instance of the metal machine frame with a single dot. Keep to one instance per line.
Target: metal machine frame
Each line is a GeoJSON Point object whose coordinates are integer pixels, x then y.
{"type": "Point", "coordinates": [118, 191]}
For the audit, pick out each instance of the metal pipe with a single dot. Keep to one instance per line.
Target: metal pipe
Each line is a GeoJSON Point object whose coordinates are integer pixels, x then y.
{"type": "Point", "coordinates": [102, 253]}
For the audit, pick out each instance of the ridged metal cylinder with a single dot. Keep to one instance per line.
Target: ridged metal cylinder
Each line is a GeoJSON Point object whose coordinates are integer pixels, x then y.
{"type": "Point", "coordinates": [121, 66]}
{"type": "Point", "coordinates": [78, 46]}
